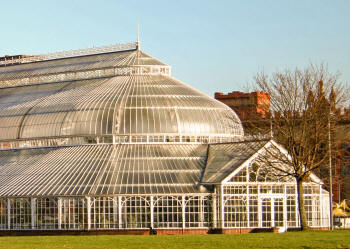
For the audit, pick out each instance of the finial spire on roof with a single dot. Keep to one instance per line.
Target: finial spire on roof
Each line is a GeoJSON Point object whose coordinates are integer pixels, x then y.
{"type": "Point", "coordinates": [271, 129]}
{"type": "Point", "coordinates": [138, 43]}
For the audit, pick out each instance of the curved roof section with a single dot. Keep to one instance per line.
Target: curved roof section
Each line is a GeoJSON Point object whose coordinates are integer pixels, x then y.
{"type": "Point", "coordinates": [101, 170]}
{"type": "Point", "coordinates": [116, 93]}
{"type": "Point", "coordinates": [122, 105]}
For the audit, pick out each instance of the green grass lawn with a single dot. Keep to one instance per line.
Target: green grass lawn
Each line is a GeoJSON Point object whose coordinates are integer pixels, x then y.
{"type": "Point", "coordinates": [313, 239]}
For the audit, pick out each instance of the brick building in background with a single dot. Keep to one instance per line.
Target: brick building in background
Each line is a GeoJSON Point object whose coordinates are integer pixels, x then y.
{"type": "Point", "coordinates": [341, 165]}
{"type": "Point", "coordinates": [254, 105]}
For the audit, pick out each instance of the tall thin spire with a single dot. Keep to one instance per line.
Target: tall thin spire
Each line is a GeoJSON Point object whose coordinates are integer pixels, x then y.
{"type": "Point", "coordinates": [271, 128]}
{"type": "Point", "coordinates": [138, 43]}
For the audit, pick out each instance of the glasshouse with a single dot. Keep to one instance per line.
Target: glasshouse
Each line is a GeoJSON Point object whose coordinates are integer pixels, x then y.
{"type": "Point", "coordinates": [106, 139]}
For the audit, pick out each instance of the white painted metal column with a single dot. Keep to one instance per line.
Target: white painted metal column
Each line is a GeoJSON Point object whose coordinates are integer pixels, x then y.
{"type": "Point", "coordinates": [272, 211]}
{"type": "Point", "coordinates": [201, 208]}
{"type": "Point", "coordinates": [120, 211]}
{"type": "Point", "coordinates": [321, 206]}
{"type": "Point", "coordinates": [248, 205]}
{"type": "Point", "coordinates": [88, 206]}
{"type": "Point", "coordinates": [115, 211]}
{"type": "Point", "coordinates": [222, 207]}
{"type": "Point", "coordinates": [259, 207]}
{"type": "Point", "coordinates": [59, 213]}
{"type": "Point", "coordinates": [8, 213]}
{"type": "Point", "coordinates": [214, 208]}
{"type": "Point", "coordinates": [33, 211]}
{"type": "Point", "coordinates": [183, 204]}
{"type": "Point", "coordinates": [297, 208]}
{"type": "Point", "coordinates": [285, 221]}
{"type": "Point", "coordinates": [152, 211]}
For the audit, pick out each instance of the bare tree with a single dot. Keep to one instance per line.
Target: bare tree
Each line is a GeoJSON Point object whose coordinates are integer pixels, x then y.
{"type": "Point", "coordinates": [302, 103]}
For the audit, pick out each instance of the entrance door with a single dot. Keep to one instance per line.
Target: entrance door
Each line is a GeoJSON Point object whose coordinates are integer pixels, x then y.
{"type": "Point", "coordinates": [272, 212]}
{"type": "Point", "coordinates": [266, 212]}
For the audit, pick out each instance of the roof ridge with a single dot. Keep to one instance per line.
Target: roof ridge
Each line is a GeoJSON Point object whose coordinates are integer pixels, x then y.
{"type": "Point", "coordinates": [69, 54]}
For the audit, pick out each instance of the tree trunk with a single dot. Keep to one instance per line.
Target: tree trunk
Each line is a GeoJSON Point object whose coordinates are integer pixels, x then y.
{"type": "Point", "coordinates": [301, 204]}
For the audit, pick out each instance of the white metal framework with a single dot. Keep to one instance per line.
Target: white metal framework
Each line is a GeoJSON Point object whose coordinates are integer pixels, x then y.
{"type": "Point", "coordinates": [107, 139]}
{"type": "Point", "coordinates": [240, 206]}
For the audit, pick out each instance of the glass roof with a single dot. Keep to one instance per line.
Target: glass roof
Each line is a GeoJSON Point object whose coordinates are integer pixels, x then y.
{"type": "Point", "coordinates": [102, 170]}
{"type": "Point", "coordinates": [223, 159]}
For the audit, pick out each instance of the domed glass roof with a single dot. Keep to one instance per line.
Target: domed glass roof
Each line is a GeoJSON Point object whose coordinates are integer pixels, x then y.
{"type": "Point", "coordinates": [144, 100]}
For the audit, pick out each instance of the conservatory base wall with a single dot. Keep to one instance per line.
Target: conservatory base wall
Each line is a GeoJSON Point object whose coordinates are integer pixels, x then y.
{"type": "Point", "coordinates": [144, 231]}
{"type": "Point", "coordinates": [129, 232]}
{"type": "Point", "coordinates": [72, 232]}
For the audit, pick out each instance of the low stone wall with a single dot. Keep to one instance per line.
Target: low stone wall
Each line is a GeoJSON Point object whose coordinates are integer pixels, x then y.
{"type": "Point", "coordinates": [145, 231]}
{"type": "Point", "coordinates": [181, 231]}
{"type": "Point", "coordinates": [72, 232]}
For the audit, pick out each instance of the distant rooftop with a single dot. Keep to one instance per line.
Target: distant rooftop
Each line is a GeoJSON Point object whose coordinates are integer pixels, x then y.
{"type": "Point", "coordinates": [9, 60]}
{"type": "Point", "coordinates": [238, 94]}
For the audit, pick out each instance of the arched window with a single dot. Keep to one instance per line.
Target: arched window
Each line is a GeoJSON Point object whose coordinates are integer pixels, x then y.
{"type": "Point", "coordinates": [262, 172]}
{"type": "Point", "coordinates": [104, 213]}
{"type": "Point", "coordinates": [74, 213]}
{"type": "Point", "coordinates": [168, 212]}
{"type": "Point", "coordinates": [46, 213]}
{"type": "Point", "coordinates": [21, 216]}
{"type": "Point", "coordinates": [197, 211]}
{"type": "Point", "coordinates": [240, 176]}
{"type": "Point", "coordinates": [136, 212]}
{"type": "Point", "coordinates": [235, 212]}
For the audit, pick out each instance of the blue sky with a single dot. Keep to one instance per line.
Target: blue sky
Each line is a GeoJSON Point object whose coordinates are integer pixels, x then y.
{"type": "Point", "coordinates": [211, 45]}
